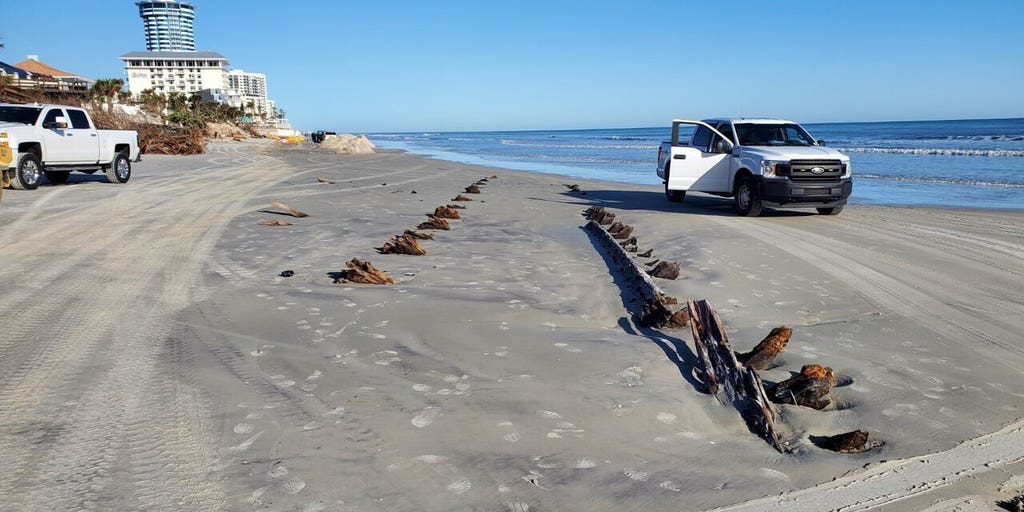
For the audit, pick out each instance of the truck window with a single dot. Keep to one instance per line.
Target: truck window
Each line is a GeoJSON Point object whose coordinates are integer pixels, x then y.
{"type": "Point", "coordinates": [51, 116]}
{"type": "Point", "coordinates": [702, 138]}
{"type": "Point", "coordinates": [726, 130]}
{"type": "Point", "coordinates": [78, 119]}
{"type": "Point", "coordinates": [23, 115]}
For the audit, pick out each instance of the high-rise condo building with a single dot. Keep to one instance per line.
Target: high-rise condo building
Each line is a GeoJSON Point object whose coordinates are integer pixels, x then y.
{"type": "Point", "coordinates": [168, 26]}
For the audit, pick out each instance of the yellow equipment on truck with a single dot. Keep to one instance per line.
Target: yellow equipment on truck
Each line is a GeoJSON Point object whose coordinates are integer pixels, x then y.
{"type": "Point", "coordinates": [5, 158]}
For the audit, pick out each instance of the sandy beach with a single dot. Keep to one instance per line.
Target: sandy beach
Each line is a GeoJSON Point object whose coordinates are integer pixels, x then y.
{"type": "Point", "coordinates": [152, 357]}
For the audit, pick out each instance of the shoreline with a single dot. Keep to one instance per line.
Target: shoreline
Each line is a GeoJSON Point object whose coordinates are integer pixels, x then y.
{"type": "Point", "coordinates": [502, 369]}
{"type": "Point", "coordinates": [1008, 209]}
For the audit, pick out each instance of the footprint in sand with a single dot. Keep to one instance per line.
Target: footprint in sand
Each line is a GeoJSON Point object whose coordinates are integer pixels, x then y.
{"type": "Point", "coordinates": [568, 348]}
{"type": "Point", "coordinates": [432, 459]}
{"type": "Point", "coordinates": [424, 418]}
{"type": "Point", "coordinates": [277, 471]}
{"type": "Point", "coordinates": [244, 428]}
{"type": "Point", "coordinates": [635, 474]}
{"type": "Point", "coordinates": [552, 415]}
{"type": "Point", "coordinates": [421, 388]}
{"type": "Point", "coordinates": [631, 377]}
{"type": "Point", "coordinates": [385, 357]}
{"type": "Point", "coordinates": [293, 486]}
{"type": "Point", "coordinates": [666, 418]}
{"type": "Point", "coordinates": [670, 486]}
{"type": "Point", "coordinates": [460, 486]}
{"type": "Point", "coordinates": [584, 463]}
{"type": "Point", "coordinates": [511, 437]}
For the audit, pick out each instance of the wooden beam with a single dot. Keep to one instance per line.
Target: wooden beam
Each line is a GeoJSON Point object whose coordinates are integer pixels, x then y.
{"type": "Point", "coordinates": [723, 372]}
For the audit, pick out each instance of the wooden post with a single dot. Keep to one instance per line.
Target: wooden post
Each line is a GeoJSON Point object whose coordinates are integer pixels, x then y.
{"type": "Point", "coordinates": [722, 371]}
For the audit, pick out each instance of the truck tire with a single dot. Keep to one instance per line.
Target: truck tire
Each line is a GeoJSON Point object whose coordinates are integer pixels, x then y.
{"type": "Point", "coordinates": [673, 196]}
{"type": "Point", "coordinates": [120, 169]}
{"type": "Point", "coordinates": [747, 197]}
{"type": "Point", "coordinates": [57, 177]}
{"type": "Point", "coordinates": [28, 173]}
{"type": "Point", "coordinates": [830, 211]}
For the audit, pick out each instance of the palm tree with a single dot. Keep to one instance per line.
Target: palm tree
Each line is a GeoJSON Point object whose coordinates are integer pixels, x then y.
{"type": "Point", "coordinates": [107, 88]}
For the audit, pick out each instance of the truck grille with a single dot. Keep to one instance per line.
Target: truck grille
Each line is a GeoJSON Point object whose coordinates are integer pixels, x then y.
{"type": "Point", "coordinates": [812, 170]}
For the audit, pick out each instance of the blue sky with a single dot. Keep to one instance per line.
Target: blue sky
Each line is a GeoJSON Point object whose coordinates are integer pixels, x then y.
{"type": "Point", "coordinates": [373, 66]}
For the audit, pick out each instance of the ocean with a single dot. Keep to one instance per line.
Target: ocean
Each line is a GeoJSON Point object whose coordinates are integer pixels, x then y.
{"type": "Point", "coordinates": [964, 163]}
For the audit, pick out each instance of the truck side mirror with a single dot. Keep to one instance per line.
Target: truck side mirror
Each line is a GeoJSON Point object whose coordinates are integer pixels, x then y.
{"type": "Point", "coordinates": [58, 122]}
{"type": "Point", "coordinates": [821, 143]}
{"type": "Point", "coordinates": [724, 146]}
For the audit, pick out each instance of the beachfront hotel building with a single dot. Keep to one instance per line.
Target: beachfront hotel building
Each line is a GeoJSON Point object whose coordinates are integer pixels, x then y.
{"type": "Point", "coordinates": [183, 72]}
{"type": "Point", "coordinates": [252, 88]}
{"type": "Point", "coordinates": [171, 63]}
{"type": "Point", "coordinates": [168, 26]}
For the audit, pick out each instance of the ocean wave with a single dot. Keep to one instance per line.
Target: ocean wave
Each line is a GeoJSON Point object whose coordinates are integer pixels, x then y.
{"type": "Point", "coordinates": [1005, 137]}
{"type": "Point", "coordinates": [513, 143]}
{"type": "Point", "coordinates": [937, 151]}
{"type": "Point", "coordinates": [624, 137]}
{"type": "Point", "coordinates": [941, 181]}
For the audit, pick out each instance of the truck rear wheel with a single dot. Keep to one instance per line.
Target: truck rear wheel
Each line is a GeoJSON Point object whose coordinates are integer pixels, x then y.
{"type": "Point", "coordinates": [120, 169]}
{"type": "Point", "coordinates": [673, 196]}
{"type": "Point", "coordinates": [57, 177]}
{"type": "Point", "coordinates": [28, 173]}
{"type": "Point", "coordinates": [747, 197]}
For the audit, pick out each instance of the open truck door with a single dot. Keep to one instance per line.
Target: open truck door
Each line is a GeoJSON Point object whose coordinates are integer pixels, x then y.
{"type": "Point", "coordinates": [696, 164]}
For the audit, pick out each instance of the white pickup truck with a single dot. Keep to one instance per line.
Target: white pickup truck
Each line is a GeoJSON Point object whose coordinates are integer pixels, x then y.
{"type": "Point", "coordinates": [757, 162]}
{"type": "Point", "coordinates": [53, 140]}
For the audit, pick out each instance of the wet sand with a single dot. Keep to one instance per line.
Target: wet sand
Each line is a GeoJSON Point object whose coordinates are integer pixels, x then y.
{"type": "Point", "coordinates": [153, 357]}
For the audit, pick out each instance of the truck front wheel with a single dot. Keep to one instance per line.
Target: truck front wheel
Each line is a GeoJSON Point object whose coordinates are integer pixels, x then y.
{"type": "Point", "coordinates": [28, 173]}
{"type": "Point", "coordinates": [673, 196]}
{"type": "Point", "coordinates": [747, 197]}
{"type": "Point", "coordinates": [120, 170]}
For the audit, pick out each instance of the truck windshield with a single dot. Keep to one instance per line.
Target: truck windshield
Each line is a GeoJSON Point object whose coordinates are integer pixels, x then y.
{"type": "Point", "coordinates": [23, 115]}
{"type": "Point", "coordinates": [781, 134]}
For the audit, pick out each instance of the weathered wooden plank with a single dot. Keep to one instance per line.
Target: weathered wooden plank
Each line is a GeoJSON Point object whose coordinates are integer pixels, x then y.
{"type": "Point", "coordinates": [723, 372]}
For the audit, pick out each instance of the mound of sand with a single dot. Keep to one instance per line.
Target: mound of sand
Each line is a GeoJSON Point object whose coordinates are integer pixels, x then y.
{"type": "Point", "coordinates": [224, 130]}
{"type": "Point", "coordinates": [348, 144]}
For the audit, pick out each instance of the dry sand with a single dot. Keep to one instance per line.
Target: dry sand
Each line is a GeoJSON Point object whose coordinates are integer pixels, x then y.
{"type": "Point", "coordinates": [151, 357]}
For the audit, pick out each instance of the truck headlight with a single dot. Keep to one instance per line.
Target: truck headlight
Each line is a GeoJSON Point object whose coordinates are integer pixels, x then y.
{"type": "Point", "coordinates": [847, 170]}
{"type": "Point", "coordinates": [768, 167]}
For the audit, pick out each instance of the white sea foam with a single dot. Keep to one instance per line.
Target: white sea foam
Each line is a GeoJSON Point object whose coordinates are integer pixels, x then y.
{"type": "Point", "coordinates": [937, 151]}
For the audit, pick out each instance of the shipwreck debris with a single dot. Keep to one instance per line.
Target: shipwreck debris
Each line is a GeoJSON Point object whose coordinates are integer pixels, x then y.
{"type": "Point", "coordinates": [762, 356]}
{"type": "Point", "coordinates": [742, 385]}
{"type": "Point", "coordinates": [418, 234]}
{"type": "Point", "coordinates": [287, 273]}
{"type": "Point", "coordinates": [403, 244]}
{"type": "Point", "coordinates": [324, 180]}
{"type": "Point", "coordinates": [446, 212]}
{"type": "Point", "coordinates": [434, 223]}
{"type": "Point", "coordinates": [461, 197]}
{"type": "Point", "coordinates": [850, 442]}
{"type": "Point", "coordinates": [275, 222]}
{"type": "Point", "coordinates": [363, 272]}
{"type": "Point", "coordinates": [289, 210]}
{"type": "Point", "coordinates": [472, 189]}
{"type": "Point", "coordinates": [665, 270]}
{"type": "Point", "coordinates": [645, 254]}
{"type": "Point", "coordinates": [807, 388]}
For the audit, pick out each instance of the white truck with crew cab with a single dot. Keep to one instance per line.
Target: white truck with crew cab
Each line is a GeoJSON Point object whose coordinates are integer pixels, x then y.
{"type": "Point", "coordinates": [53, 140]}
{"type": "Point", "coordinates": [757, 162]}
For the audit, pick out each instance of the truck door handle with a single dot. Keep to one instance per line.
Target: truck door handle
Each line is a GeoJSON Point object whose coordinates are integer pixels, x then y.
{"type": "Point", "coordinates": [679, 157]}
{"type": "Point", "coordinates": [92, 134]}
